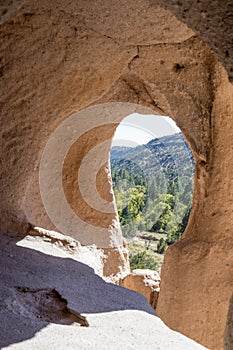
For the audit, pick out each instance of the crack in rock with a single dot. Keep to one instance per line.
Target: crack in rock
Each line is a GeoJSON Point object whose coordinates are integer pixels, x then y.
{"type": "Point", "coordinates": [44, 305]}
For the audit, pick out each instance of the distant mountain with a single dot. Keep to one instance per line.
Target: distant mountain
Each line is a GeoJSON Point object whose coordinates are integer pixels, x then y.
{"type": "Point", "coordinates": [117, 152]}
{"type": "Point", "coordinates": [169, 154]}
{"type": "Point", "coordinates": [153, 187]}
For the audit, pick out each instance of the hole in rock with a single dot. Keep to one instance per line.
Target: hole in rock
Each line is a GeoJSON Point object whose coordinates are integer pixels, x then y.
{"type": "Point", "coordinates": [44, 305]}
{"type": "Point", "coordinates": [152, 172]}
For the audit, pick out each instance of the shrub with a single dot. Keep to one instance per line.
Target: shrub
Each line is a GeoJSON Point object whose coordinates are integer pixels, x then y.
{"type": "Point", "coordinates": [142, 260]}
{"type": "Point", "coordinates": [161, 247]}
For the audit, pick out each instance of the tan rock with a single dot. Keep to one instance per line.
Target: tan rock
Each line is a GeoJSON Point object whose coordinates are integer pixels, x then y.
{"type": "Point", "coordinates": [228, 338]}
{"type": "Point", "coordinates": [89, 255]}
{"type": "Point", "coordinates": [46, 294]}
{"type": "Point", "coordinates": [145, 282]}
{"type": "Point", "coordinates": [61, 60]}
{"type": "Point", "coordinates": [212, 21]}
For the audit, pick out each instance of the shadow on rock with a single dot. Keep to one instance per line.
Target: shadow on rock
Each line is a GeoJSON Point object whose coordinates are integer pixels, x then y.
{"type": "Point", "coordinates": [37, 289]}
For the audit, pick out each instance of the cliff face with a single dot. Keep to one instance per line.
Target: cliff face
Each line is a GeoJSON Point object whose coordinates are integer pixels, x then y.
{"type": "Point", "coordinates": [70, 72]}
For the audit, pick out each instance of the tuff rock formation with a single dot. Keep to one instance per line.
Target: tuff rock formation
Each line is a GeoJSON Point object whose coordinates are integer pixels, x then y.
{"type": "Point", "coordinates": [70, 72]}
{"type": "Point", "coordinates": [145, 282]}
{"type": "Point", "coordinates": [51, 300]}
{"type": "Point", "coordinates": [228, 338]}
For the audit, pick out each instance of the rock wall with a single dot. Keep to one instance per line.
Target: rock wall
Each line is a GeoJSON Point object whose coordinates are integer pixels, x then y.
{"type": "Point", "coordinates": [211, 20]}
{"type": "Point", "coordinates": [145, 282]}
{"type": "Point", "coordinates": [62, 60]}
{"type": "Point", "coordinates": [197, 274]}
{"type": "Point", "coordinates": [228, 340]}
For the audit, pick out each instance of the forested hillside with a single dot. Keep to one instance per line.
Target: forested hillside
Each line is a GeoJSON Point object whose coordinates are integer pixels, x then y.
{"type": "Point", "coordinates": [153, 187]}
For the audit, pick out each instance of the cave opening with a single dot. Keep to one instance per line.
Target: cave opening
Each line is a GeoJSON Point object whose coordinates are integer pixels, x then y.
{"type": "Point", "coordinates": [152, 169]}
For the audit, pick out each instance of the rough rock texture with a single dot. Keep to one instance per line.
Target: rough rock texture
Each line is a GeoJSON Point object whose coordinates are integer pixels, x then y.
{"type": "Point", "coordinates": [228, 338]}
{"type": "Point", "coordinates": [196, 280]}
{"type": "Point", "coordinates": [44, 304]}
{"type": "Point", "coordinates": [145, 282]}
{"type": "Point", "coordinates": [212, 20]}
{"type": "Point", "coordinates": [62, 58]}
{"type": "Point", "coordinates": [43, 291]}
{"type": "Point", "coordinates": [89, 255]}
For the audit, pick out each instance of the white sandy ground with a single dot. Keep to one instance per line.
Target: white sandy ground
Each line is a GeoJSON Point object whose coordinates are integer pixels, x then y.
{"type": "Point", "coordinates": [118, 318]}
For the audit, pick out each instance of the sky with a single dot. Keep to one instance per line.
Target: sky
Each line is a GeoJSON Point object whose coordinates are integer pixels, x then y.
{"type": "Point", "coordinates": [138, 129]}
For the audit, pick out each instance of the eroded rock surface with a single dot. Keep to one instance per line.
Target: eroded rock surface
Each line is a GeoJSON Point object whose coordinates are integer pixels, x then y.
{"type": "Point", "coordinates": [43, 304]}
{"type": "Point", "coordinates": [44, 290]}
{"type": "Point", "coordinates": [228, 338]}
{"type": "Point", "coordinates": [212, 20]}
{"type": "Point", "coordinates": [145, 282]}
{"type": "Point", "coordinates": [59, 58]}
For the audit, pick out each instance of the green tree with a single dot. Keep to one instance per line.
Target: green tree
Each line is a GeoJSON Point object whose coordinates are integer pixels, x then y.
{"type": "Point", "coordinates": [142, 260]}
{"type": "Point", "coordinates": [161, 247]}
{"type": "Point", "coordinates": [129, 230]}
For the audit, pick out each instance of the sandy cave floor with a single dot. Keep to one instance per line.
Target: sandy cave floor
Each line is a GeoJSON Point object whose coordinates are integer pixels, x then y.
{"type": "Point", "coordinates": [32, 314]}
